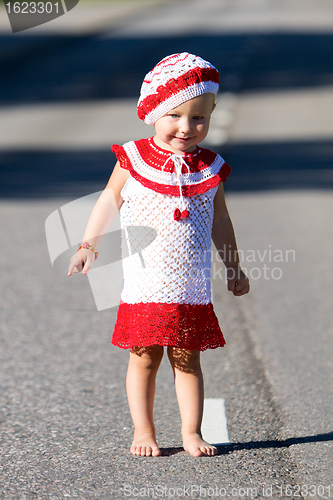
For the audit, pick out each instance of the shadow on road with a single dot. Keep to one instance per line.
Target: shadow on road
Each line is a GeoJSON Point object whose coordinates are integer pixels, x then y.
{"type": "Point", "coordinates": [87, 68]}
{"type": "Point", "coordinates": [79, 68]}
{"type": "Point", "coordinates": [229, 448]}
{"type": "Point", "coordinates": [255, 167]}
{"type": "Point", "coordinates": [224, 449]}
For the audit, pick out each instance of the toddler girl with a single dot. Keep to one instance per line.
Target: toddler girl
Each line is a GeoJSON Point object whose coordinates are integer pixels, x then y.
{"type": "Point", "coordinates": [170, 184]}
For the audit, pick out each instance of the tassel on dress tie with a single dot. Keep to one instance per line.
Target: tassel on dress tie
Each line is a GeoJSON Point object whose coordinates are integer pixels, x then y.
{"type": "Point", "coordinates": [178, 162]}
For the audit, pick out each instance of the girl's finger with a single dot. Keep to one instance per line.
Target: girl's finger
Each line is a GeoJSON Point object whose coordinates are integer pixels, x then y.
{"type": "Point", "coordinates": [232, 285]}
{"type": "Point", "coordinates": [71, 269]}
{"type": "Point", "coordinates": [75, 266]}
{"type": "Point", "coordinates": [87, 266]}
{"type": "Point", "coordinates": [242, 288]}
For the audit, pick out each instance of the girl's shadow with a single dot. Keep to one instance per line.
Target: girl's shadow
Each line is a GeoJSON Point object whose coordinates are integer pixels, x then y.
{"type": "Point", "coordinates": [224, 449]}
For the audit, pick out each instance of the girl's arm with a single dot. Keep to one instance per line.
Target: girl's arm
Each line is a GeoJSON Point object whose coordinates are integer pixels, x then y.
{"type": "Point", "coordinates": [100, 220]}
{"type": "Point", "coordinates": [225, 242]}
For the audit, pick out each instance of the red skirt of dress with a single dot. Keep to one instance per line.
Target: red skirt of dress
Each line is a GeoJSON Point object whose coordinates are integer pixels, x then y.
{"type": "Point", "coordinates": [186, 326]}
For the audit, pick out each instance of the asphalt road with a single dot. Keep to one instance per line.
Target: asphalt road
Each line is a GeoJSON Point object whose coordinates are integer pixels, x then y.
{"type": "Point", "coordinates": [64, 424]}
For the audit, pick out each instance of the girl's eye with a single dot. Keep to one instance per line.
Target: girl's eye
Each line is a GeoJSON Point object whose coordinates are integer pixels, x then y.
{"type": "Point", "coordinates": [197, 117]}
{"type": "Point", "coordinates": [174, 116]}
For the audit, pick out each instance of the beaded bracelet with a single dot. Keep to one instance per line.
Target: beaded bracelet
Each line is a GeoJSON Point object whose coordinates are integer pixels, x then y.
{"type": "Point", "coordinates": [86, 246]}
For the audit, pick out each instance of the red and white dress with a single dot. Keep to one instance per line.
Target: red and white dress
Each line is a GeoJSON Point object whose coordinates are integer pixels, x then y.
{"type": "Point", "coordinates": [166, 294]}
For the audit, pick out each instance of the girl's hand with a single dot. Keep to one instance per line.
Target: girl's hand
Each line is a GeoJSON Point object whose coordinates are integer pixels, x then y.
{"type": "Point", "coordinates": [81, 262]}
{"type": "Point", "coordinates": [238, 282]}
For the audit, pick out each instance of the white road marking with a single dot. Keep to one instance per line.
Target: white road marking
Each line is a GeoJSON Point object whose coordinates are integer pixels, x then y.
{"type": "Point", "coordinates": [214, 424]}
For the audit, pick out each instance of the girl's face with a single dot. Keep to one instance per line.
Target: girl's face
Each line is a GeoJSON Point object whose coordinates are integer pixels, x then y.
{"type": "Point", "coordinates": [182, 128]}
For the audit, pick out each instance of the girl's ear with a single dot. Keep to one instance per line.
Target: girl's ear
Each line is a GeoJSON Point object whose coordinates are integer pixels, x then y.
{"type": "Point", "coordinates": [214, 106]}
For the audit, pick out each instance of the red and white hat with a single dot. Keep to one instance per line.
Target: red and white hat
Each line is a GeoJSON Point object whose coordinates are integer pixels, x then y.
{"type": "Point", "coordinates": [174, 80]}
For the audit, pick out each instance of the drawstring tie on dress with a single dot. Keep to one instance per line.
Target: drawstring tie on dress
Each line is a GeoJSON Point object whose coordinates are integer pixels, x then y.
{"type": "Point", "coordinates": [178, 162]}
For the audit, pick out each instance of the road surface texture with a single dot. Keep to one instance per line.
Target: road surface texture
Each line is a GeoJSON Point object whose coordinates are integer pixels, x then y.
{"type": "Point", "coordinates": [68, 90]}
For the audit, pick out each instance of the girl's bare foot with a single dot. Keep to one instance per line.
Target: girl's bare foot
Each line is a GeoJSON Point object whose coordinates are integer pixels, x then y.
{"type": "Point", "coordinates": [145, 445]}
{"type": "Point", "coordinates": [197, 447]}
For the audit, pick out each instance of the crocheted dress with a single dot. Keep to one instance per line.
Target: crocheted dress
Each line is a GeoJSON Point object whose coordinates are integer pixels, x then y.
{"type": "Point", "coordinates": [166, 294]}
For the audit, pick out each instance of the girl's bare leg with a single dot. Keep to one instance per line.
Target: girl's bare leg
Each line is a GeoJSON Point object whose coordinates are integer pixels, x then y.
{"type": "Point", "coordinates": [140, 382]}
{"type": "Point", "coordinates": [190, 395]}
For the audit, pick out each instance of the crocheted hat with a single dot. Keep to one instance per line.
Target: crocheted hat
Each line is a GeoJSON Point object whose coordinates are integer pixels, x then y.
{"type": "Point", "coordinates": [174, 80]}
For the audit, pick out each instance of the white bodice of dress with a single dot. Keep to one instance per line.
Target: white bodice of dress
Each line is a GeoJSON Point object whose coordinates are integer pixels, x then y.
{"type": "Point", "coordinates": [170, 263]}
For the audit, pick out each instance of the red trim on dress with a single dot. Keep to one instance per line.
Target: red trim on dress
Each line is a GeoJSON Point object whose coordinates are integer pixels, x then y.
{"type": "Point", "coordinates": [122, 157]}
{"type": "Point", "coordinates": [186, 326]}
{"type": "Point", "coordinates": [155, 157]}
{"type": "Point", "coordinates": [187, 190]}
{"type": "Point", "coordinates": [173, 86]}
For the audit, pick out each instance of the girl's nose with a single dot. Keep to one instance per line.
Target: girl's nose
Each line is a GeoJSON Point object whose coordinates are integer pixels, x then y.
{"type": "Point", "coordinates": [185, 126]}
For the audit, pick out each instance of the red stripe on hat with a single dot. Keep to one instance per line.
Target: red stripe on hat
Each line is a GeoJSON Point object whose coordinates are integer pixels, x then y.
{"type": "Point", "coordinates": [173, 86]}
